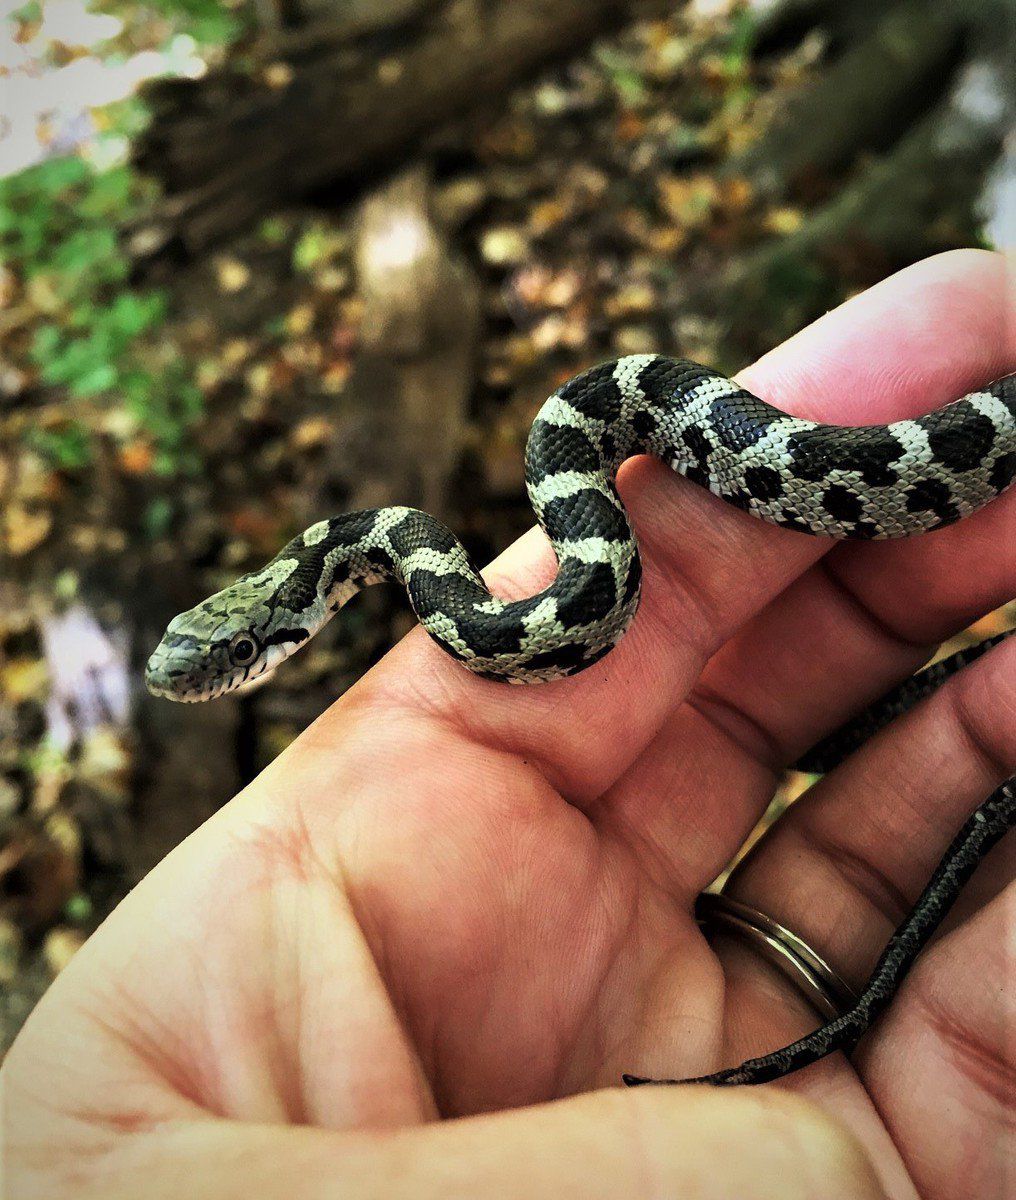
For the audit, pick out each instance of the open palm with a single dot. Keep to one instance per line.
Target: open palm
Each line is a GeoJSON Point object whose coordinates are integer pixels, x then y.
{"type": "Point", "coordinates": [450, 897]}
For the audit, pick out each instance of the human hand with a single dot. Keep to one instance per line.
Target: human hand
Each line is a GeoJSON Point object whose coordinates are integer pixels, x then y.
{"type": "Point", "coordinates": [450, 898]}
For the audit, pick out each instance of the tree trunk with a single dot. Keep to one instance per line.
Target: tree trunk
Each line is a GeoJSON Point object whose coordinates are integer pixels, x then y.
{"type": "Point", "coordinates": [910, 202]}
{"type": "Point", "coordinates": [863, 101]}
{"type": "Point", "coordinates": [332, 101]}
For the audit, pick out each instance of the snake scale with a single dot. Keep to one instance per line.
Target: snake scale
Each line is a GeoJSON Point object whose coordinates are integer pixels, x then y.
{"type": "Point", "coordinates": [860, 482]}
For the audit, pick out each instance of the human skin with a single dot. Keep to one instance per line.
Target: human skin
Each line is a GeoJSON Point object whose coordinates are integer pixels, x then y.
{"type": "Point", "coordinates": [415, 955]}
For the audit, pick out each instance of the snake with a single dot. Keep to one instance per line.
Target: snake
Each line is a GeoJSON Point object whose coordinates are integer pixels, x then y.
{"type": "Point", "coordinates": [860, 482]}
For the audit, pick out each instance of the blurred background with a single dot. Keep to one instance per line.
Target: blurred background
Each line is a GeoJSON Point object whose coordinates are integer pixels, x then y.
{"type": "Point", "coordinates": [264, 261]}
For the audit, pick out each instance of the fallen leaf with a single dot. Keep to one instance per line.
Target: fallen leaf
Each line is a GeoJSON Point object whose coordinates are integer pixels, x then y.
{"type": "Point", "coordinates": [312, 433]}
{"type": "Point", "coordinates": [783, 221]}
{"type": "Point", "coordinates": [59, 947]}
{"type": "Point", "coordinates": [136, 458]}
{"type": "Point", "coordinates": [232, 275]}
{"type": "Point", "coordinates": [504, 245]}
{"type": "Point", "coordinates": [688, 201]}
{"type": "Point", "coordinates": [277, 75]}
{"type": "Point", "coordinates": [24, 530]}
{"type": "Point", "coordinates": [300, 319]}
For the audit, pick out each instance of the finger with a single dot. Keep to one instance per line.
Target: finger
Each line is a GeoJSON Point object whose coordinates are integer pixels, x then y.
{"type": "Point", "coordinates": [845, 864]}
{"type": "Point", "coordinates": [816, 654]}
{"type": "Point", "coordinates": [836, 640]}
{"type": "Point", "coordinates": [866, 616]}
{"type": "Point", "coordinates": [814, 658]}
{"type": "Point", "coordinates": [950, 1035]}
{"type": "Point", "coordinates": [602, 1145]}
{"type": "Point", "coordinates": [708, 568]}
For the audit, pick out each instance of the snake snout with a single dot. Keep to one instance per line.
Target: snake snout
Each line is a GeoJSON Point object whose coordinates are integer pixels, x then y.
{"type": "Point", "coordinates": [162, 679]}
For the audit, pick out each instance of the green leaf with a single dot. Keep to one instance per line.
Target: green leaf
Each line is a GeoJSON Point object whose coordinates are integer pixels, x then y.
{"type": "Point", "coordinates": [67, 448]}
{"type": "Point", "coordinates": [157, 517]}
{"type": "Point", "coordinates": [131, 313]}
{"type": "Point", "coordinates": [45, 343]}
{"type": "Point", "coordinates": [99, 377]}
{"type": "Point", "coordinates": [78, 908]}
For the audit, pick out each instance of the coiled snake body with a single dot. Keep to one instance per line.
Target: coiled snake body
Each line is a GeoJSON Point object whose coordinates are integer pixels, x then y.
{"type": "Point", "coordinates": [878, 481]}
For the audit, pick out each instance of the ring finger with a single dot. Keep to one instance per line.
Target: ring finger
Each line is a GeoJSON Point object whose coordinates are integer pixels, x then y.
{"type": "Point", "coordinates": [844, 866]}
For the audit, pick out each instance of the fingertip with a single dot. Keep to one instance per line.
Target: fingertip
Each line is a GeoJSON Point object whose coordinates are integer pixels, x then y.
{"type": "Point", "coordinates": [786, 1145]}
{"type": "Point", "coordinates": [918, 339]}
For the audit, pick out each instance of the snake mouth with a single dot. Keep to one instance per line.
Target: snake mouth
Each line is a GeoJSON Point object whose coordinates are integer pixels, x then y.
{"type": "Point", "coordinates": [162, 680]}
{"type": "Point", "coordinates": [184, 686]}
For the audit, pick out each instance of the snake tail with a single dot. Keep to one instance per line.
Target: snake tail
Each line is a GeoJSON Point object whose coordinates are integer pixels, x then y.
{"type": "Point", "coordinates": [995, 817]}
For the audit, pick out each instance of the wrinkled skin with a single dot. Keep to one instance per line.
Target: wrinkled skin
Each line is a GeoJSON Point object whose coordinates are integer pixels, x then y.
{"type": "Point", "coordinates": [448, 897]}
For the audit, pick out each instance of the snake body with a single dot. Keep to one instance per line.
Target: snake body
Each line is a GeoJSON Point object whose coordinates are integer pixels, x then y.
{"type": "Point", "coordinates": [875, 481]}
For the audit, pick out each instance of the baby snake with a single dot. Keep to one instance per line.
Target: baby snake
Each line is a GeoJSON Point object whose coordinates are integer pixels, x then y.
{"type": "Point", "coordinates": [875, 481]}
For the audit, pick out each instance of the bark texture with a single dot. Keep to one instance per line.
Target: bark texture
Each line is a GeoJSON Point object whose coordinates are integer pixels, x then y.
{"type": "Point", "coordinates": [336, 99]}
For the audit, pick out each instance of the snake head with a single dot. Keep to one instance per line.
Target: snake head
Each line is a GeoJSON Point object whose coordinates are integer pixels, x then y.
{"type": "Point", "coordinates": [232, 638]}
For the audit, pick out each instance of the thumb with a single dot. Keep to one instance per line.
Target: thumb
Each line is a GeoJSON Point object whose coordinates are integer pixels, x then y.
{"type": "Point", "coordinates": [711, 1144]}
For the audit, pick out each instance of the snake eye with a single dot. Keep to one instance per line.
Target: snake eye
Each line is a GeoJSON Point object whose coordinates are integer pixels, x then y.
{"type": "Point", "coordinates": [243, 650]}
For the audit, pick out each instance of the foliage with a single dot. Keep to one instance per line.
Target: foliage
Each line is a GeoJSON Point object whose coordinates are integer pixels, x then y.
{"type": "Point", "coordinates": [209, 22]}
{"type": "Point", "coordinates": [88, 332]}
{"type": "Point", "coordinates": [95, 333]}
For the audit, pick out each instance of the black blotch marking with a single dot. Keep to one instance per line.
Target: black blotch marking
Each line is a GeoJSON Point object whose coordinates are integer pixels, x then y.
{"type": "Point", "coordinates": [341, 572]}
{"type": "Point", "coordinates": [584, 592]}
{"type": "Point", "coordinates": [843, 504]}
{"type": "Point", "coordinates": [959, 436]}
{"type": "Point", "coordinates": [282, 636]}
{"type": "Point", "coordinates": [299, 590]}
{"type": "Point", "coordinates": [380, 560]}
{"type": "Point", "coordinates": [1003, 472]}
{"type": "Point", "coordinates": [586, 513]}
{"type": "Point", "coordinates": [763, 482]}
{"type": "Point", "coordinates": [812, 455]}
{"type": "Point", "coordinates": [488, 634]}
{"type": "Point", "coordinates": [595, 394]}
{"type": "Point", "coordinates": [598, 654]}
{"type": "Point", "coordinates": [792, 520]}
{"type": "Point", "coordinates": [570, 658]}
{"type": "Point", "coordinates": [593, 657]}
{"type": "Point", "coordinates": [347, 530]}
{"type": "Point", "coordinates": [552, 449]}
{"type": "Point", "coordinates": [868, 450]}
{"type": "Point", "coordinates": [931, 495]}
{"type": "Point", "coordinates": [430, 593]}
{"type": "Point", "coordinates": [697, 442]}
{"type": "Point", "coordinates": [871, 454]}
{"type": "Point", "coordinates": [644, 424]}
{"type": "Point", "coordinates": [633, 580]}
{"type": "Point", "coordinates": [670, 383]}
{"type": "Point", "coordinates": [741, 420]}
{"type": "Point", "coordinates": [418, 531]}
{"type": "Point", "coordinates": [865, 530]}
{"type": "Point", "coordinates": [739, 498]}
